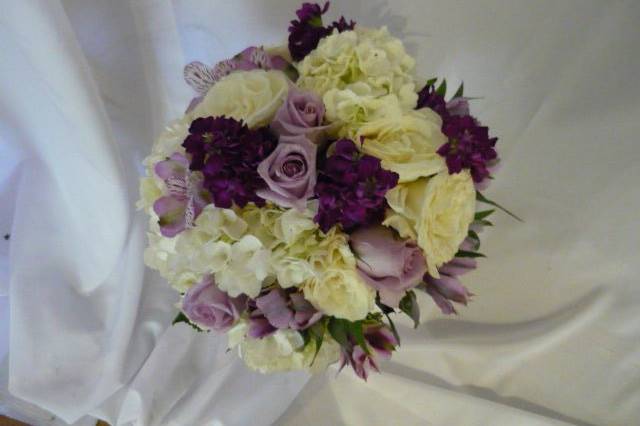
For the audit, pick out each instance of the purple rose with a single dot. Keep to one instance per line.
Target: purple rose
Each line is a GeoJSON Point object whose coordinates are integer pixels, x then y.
{"type": "Point", "coordinates": [387, 263]}
{"type": "Point", "coordinates": [289, 172]}
{"type": "Point", "coordinates": [211, 308]}
{"type": "Point", "coordinates": [300, 114]}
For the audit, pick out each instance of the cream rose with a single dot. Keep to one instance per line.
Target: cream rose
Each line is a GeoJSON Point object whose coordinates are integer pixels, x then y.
{"type": "Point", "coordinates": [341, 293]}
{"type": "Point", "coordinates": [439, 211]}
{"type": "Point", "coordinates": [253, 96]}
{"type": "Point", "coordinates": [406, 144]}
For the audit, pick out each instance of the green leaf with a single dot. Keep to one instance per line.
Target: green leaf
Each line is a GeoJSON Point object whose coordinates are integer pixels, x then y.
{"type": "Point", "coordinates": [316, 331]}
{"type": "Point", "coordinates": [292, 72]}
{"type": "Point", "coordinates": [442, 89]}
{"type": "Point", "coordinates": [384, 308]}
{"type": "Point", "coordinates": [485, 200]}
{"type": "Point", "coordinates": [474, 236]}
{"type": "Point", "coordinates": [394, 330]}
{"type": "Point", "coordinates": [409, 305]}
{"type": "Point", "coordinates": [181, 317]}
{"type": "Point", "coordinates": [483, 222]}
{"type": "Point", "coordinates": [485, 213]}
{"type": "Point", "coordinates": [466, 253]}
{"type": "Point", "coordinates": [355, 330]}
{"type": "Point", "coordinates": [338, 330]}
{"type": "Point", "coordinates": [431, 81]}
{"type": "Point", "coordinates": [460, 91]}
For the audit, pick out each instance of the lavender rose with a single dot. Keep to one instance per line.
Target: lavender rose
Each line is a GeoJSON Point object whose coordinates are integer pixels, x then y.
{"type": "Point", "coordinates": [300, 114]}
{"type": "Point", "coordinates": [387, 263]}
{"type": "Point", "coordinates": [289, 172]}
{"type": "Point", "coordinates": [211, 308]}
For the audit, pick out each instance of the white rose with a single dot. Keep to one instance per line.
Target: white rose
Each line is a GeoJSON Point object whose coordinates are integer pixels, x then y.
{"type": "Point", "coordinates": [406, 144]}
{"type": "Point", "coordinates": [252, 96]}
{"type": "Point", "coordinates": [247, 268]}
{"type": "Point", "coordinates": [340, 293]}
{"type": "Point", "coordinates": [439, 209]}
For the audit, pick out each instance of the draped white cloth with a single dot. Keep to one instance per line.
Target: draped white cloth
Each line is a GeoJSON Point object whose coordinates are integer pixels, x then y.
{"type": "Point", "coordinates": [553, 335]}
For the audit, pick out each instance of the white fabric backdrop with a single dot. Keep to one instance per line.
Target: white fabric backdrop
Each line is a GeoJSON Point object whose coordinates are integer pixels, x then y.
{"type": "Point", "coordinates": [552, 336]}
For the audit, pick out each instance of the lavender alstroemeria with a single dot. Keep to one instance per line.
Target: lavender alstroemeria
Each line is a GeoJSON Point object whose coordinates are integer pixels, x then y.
{"type": "Point", "coordinates": [387, 263]}
{"type": "Point", "coordinates": [211, 308]}
{"type": "Point", "coordinates": [448, 288]}
{"type": "Point", "coordinates": [300, 115]}
{"type": "Point", "coordinates": [279, 309]}
{"type": "Point", "coordinates": [380, 342]}
{"type": "Point", "coordinates": [185, 199]}
{"type": "Point", "coordinates": [289, 172]}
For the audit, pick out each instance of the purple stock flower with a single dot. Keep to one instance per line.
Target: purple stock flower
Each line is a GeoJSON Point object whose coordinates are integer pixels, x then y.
{"type": "Point", "coordinates": [387, 263]}
{"type": "Point", "coordinates": [380, 342]}
{"type": "Point", "coordinates": [289, 172]}
{"type": "Point", "coordinates": [228, 154]}
{"type": "Point", "coordinates": [351, 188]}
{"type": "Point", "coordinates": [301, 114]}
{"type": "Point", "coordinates": [211, 308]}
{"type": "Point", "coordinates": [448, 287]}
{"type": "Point", "coordinates": [469, 145]}
{"type": "Point", "coordinates": [306, 32]}
{"type": "Point", "coordinates": [279, 309]}
{"type": "Point", "coordinates": [185, 199]}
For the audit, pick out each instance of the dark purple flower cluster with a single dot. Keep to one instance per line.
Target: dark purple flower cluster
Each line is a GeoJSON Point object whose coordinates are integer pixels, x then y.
{"type": "Point", "coordinates": [306, 32]}
{"type": "Point", "coordinates": [351, 188]}
{"type": "Point", "coordinates": [228, 154]}
{"type": "Point", "coordinates": [469, 145]}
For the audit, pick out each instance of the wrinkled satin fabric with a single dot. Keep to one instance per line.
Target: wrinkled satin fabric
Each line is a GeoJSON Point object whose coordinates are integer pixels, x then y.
{"type": "Point", "coordinates": [552, 335]}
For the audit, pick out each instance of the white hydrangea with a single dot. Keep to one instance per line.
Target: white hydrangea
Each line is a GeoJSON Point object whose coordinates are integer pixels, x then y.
{"type": "Point", "coordinates": [371, 56]}
{"type": "Point", "coordinates": [284, 350]}
{"type": "Point", "coordinates": [246, 268]}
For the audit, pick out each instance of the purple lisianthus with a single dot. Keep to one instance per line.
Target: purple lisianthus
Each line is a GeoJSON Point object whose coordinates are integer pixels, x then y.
{"type": "Point", "coordinates": [228, 154]}
{"type": "Point", "coordinates": [448, 288]}
{"type": "Point", "coordinates": [185, 199]}
{"type": "Point", "coordinates": [279, 309]}
{"type": "Point", "coordinates": [380, 342]}
{"type": "Point", "coordinates": [469, 145]}
{"type": "Point", "coordinates": [211, 308]}
{"type": "Point", "coordinates": [306, 32]}
{"type": "Point", "coordinates": [351, 188]}
{"type": "Point", "coordinates": [301, 114]}
{"type": "Point", "coordinates": [289, 172]}
{"type": "Point", "coordinates": [387, 263]}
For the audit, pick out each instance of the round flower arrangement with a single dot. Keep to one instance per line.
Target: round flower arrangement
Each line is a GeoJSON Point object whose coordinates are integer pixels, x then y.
{"type": "Point", "coordinates": [310, 190]}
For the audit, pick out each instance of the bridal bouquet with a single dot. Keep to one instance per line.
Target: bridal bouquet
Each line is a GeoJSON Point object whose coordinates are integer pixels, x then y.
{"type": "Point", "coordinates": [310, 190]}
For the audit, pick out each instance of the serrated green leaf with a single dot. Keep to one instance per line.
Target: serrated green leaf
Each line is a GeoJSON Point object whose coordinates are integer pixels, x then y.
{"type": "Point", "coordinates": [442, 89]}
{"type": "Point", "coordinates": [338, 330]}
{"type": "Point", "coordinates": [466, 253]}
{"type": "Point", "coordinates": [485, 213]}
{"type": "Point", "coordinates": [460, 91]}
{"type": "Point", "coordinates": [474, 236]}
{"type": "Point", "coordinates": [409, 305]}
{"type": "Point", "coordinates": [485, 200]}
{"type": "Point", "coordinates": [431, 81]}
{"type": "Point", "coordinates": [181, 317]}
